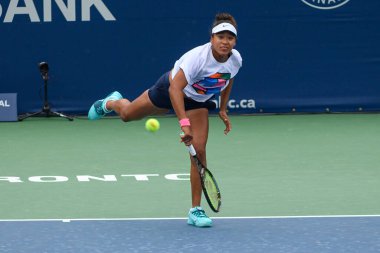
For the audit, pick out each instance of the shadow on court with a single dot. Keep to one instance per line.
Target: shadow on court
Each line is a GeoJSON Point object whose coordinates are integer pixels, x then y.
{"type": "Point", "coordinates": [318, 234]}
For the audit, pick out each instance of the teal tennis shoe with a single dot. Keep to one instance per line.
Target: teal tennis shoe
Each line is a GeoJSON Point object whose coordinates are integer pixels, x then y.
{"type": "Point", "coordinates": [98, 109]}
{"type": "Point", "coordinates": [198, 217]}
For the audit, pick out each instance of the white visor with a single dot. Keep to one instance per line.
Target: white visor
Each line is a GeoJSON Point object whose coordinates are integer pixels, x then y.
{"type": "Point", "coordinates": [224, 27]}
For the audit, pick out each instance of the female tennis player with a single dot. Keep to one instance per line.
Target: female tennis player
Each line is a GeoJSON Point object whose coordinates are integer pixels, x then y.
{"type": "Point", "coordinates": [188, 88]}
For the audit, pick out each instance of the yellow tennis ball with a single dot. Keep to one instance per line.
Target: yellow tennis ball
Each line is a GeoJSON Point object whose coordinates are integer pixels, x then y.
{"type": "Point", "coordinates": [152, 125]}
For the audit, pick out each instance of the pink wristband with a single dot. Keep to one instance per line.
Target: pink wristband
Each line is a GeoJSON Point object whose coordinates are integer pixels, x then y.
{"type": "Point", "coordinates": [184, 122]}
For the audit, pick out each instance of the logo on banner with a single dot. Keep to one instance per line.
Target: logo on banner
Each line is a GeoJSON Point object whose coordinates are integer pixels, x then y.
{"type": "Point", "coordinates": [42, 11]}
{"type": "Point", "coordinates": [4, 103]}
{"type": "Point", "coordinates": [325, 4]}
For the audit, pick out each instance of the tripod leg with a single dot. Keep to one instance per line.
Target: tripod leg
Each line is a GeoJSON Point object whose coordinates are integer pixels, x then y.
{"type": "Point", "coordinates": [21, 118]}
{"type": "Point", "coordinates": [61, 115]}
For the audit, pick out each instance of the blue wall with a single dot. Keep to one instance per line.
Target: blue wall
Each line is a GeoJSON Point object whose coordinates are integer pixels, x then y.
{"type": "Point", "coordinates": [294, 55]}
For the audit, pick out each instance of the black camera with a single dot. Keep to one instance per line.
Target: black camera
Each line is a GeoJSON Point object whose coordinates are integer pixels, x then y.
{"type": "Point", "coordinates": [44, 68]}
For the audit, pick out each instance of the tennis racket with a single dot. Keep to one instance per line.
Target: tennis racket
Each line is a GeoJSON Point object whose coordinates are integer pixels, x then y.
{"type": "Point", "coordinates": [209, 184]}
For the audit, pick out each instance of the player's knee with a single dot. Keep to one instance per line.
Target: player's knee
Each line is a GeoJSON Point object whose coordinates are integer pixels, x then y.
{"type": "Point", "coordinates": [125, 117]}
{"type": "Point", "coordinates": [201, 152]}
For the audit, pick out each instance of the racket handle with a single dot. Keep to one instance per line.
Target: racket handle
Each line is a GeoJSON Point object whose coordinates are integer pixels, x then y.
{"type": "Point", "coordinates": [190, 147]}
{"type": "Point", "coordinates": [191, 150]}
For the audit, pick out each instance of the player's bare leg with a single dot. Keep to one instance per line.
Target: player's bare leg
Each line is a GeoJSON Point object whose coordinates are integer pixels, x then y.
{"type": "Point", "coordinates": [199, 126]}
{"type": "Point", "coordinates": [135, 110]}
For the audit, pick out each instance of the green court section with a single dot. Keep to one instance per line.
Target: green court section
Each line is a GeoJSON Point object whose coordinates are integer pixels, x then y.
{"type": "Point", "coordinates": [267, 166]}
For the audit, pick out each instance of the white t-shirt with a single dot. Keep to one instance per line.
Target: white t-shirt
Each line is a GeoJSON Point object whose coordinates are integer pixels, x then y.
{"type": "Point", "coordinates": [206, 76]}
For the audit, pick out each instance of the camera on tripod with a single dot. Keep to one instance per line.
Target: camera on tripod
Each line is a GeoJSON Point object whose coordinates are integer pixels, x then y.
{"type": "Point", "coordinates": [44, 69]}
{"type": "Point", "coordinates": [46, 110]}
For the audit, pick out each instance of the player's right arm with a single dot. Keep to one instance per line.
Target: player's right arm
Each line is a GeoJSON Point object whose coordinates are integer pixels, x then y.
{"type": "Point", "coordinates": [177, 84]}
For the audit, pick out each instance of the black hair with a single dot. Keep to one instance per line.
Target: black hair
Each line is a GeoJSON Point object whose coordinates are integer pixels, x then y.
{"type": "Point", "coordinates": [224, 18]}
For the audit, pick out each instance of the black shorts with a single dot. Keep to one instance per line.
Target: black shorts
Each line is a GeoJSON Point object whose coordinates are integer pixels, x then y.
{"type": "Point", "coordinates": [159, 95]}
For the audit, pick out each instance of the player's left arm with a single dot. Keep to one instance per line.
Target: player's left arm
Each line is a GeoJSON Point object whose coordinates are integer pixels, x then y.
{"type": "Point", "coordinates": [224, 97]}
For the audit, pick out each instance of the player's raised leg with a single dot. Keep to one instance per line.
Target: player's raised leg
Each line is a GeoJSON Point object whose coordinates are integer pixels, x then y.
{"type": "Point", "coordinates": [127, 110]}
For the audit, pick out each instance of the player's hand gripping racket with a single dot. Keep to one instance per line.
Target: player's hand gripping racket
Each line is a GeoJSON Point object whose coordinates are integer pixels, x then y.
{"type": "Point", "coordinates": [209, 184]}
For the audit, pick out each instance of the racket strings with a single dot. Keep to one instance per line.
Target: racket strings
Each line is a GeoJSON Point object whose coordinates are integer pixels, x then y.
{"type": "Point", "coordinates": [212, 190]}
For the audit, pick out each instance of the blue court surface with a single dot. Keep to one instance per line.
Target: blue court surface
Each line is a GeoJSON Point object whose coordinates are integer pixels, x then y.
{"type": "Point", "coordinates": [267, 234]}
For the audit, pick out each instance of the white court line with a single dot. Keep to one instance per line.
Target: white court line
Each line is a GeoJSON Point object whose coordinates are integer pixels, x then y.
{"type": "Point", "coordinates": [183, 218]}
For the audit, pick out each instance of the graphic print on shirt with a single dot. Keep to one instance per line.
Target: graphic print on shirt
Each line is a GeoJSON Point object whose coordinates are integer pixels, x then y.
{"type": "Point", "coordinates": [212, 84]}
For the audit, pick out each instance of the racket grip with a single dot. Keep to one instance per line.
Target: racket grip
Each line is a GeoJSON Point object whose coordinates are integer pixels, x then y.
{"type": "Point", "coordinates": [191, 150]}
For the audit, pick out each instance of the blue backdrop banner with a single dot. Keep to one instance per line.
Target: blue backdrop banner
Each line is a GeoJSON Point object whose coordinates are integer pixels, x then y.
{"type": "Point", "coordinates": [298, 55]}
{"type": "Point", "coordinates": [8, 107]}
